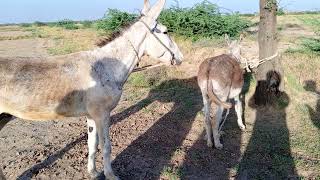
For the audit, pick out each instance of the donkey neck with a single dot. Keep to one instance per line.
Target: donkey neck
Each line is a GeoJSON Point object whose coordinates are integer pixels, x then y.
{"type": "Point", "coordinates": [120, 56]}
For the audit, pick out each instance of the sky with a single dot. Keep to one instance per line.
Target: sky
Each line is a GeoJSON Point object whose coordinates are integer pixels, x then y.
{"type": "Point", "coordinates": [23, 11]}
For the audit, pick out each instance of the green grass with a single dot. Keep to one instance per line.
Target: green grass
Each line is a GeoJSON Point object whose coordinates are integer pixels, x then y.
{"type": "Point", "coordinates": [311, 20]}
{"type": "Point", "coordinates": [62, 47]}
{"type": "Point", "coordinates": [171, 173]}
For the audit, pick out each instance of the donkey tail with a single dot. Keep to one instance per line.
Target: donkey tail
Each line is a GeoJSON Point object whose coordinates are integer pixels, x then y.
{"type": "Point", "coordinates": [215, 98]}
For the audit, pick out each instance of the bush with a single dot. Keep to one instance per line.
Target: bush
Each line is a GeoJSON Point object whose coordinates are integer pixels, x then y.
{"type": "Point", "coordinates": [202, 20]}
{"type": "Point", "coordinates": [114, 20]}
{"type": "Point", "coordinates": [38, 23]}
{"type": "Point", "coordinates": [25, 25]}
{"type": "Point", "coordinates": [281, 12]}
{"type": "Point", "coordinates": [67, 24]}
{"type": "Point", "coordinates": [86, 24]}
{"type": "Point", "coordinates": [312, 44]}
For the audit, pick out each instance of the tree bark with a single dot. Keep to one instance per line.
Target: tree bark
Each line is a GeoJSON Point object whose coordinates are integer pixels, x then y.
{"type": "Point", "coordinates": [268, 45]}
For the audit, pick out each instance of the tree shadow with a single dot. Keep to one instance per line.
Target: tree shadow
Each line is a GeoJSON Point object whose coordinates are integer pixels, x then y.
{"type": "Point", "coordinates": [148, 155]}
{"type": "Point", "coordinates": [268, 154]}
{"type": "Point", "coordinates": [314, 113]}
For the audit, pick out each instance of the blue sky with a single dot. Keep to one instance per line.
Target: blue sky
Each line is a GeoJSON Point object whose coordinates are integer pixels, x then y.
{"type": "Point", "coordinates": [17, 11]}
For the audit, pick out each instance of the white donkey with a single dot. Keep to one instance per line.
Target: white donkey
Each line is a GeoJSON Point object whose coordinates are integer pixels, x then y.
{"type": "Point", "coordinates": [221, 78]}
{"type": "Point", "coordinates": [87, 83]}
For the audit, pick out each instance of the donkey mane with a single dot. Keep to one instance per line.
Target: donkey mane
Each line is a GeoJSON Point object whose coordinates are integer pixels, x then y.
{"type": "Point", "coordinates": [114, 35]}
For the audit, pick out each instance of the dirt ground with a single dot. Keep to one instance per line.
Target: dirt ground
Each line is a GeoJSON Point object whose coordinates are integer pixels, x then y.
{"type": "Point", "coordinates": [156, 135]}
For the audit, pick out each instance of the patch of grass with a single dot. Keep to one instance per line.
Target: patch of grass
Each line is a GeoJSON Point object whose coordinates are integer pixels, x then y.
{"type": "Point", "coordinates": [2, 38]}
{"type": "Point", "coordinates": [312, 44]}
{"type": "Point", "coordinates": [294, 83]}
{"type": "Point", "coordinates": [138, 80]}
{"type": "Point", "coordinates": [312, 21]}
{"type": "Point", "coordinates": [171, 173]}
{"type": "Point", "coordinates": [62, 47]}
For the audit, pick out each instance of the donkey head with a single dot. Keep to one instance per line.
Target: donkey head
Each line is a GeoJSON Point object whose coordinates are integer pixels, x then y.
{"type": "Point", "coordinates": [234, 47]}
{"type": "Point", "coordinates": [158, 43]}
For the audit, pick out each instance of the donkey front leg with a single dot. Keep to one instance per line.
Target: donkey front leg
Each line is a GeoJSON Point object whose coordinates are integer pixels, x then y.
{"type": "Point", "coordinates": [238, 107]}
{"type": "Point", "coordinates": [92, 146]}
{"type": "Point", "coordinates": [206, 103]}
{"type": "Point", "coordinates": [103, 125]}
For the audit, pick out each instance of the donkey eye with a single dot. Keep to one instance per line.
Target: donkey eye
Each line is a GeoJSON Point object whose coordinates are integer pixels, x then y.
{"type": "Point", "coordinates": [156, 30]}
{"type": "Point", "coordinates": [166, 32]}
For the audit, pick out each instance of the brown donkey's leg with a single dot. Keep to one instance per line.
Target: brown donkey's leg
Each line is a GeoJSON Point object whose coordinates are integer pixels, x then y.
{"type": "Point", "coordinates": [207, 118]}
{"type": "Point", "coordinates": [4, 119]}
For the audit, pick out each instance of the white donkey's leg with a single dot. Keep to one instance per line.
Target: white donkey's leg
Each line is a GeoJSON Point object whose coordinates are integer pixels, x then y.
{"type": "Point", "coordinates": [216, 135]}
{"type": "Point", "coordinates": [238, 107]}
{"type": "Point", "coordinates": [207, 121]}
{"type": "Point", "coordinates": [104, 138]}
{"type": "Point", "coordinates": [92, 146]}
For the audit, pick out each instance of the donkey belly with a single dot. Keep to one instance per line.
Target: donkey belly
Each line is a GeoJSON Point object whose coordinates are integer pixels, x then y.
{"type": "Point", "coordinates": [43, 106]}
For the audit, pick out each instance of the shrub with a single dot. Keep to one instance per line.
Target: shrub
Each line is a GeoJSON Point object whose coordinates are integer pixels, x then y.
{"type": "Point", "coordinates": [281, 12]}
{"type": "Point", "coordinates": [25, 25]}
{"type": "Point", "coordinates": [114, 20]}
{"type": "Point", "coordinates": [67, 24]}
{"type": "Point", "coordinates": [312, 44]}
{"type": "Point", "coordinates": [86, 24]}
{"type": "Point", "coordinates": [38, 23]}
{"type": "Point", "coordinates": [202, 20]}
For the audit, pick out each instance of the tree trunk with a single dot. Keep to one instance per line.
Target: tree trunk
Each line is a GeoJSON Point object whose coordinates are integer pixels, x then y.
{"type": "Point", "coordinates": [269, 74]}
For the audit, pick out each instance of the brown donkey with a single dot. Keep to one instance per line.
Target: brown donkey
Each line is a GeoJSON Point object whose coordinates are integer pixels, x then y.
{"type": "Point", "coordinates": [221, 78]}
{"type": "Point", "coordinates": [86, 83]}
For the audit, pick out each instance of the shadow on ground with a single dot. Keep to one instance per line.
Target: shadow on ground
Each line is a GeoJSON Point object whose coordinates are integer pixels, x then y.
{"type": "Point", "coordinates": [314, 113]}
{"type": "Point", "coordinates": [268, 154]}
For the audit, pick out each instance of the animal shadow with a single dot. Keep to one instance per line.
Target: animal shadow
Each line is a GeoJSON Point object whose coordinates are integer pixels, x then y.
{"type": "Point", "coordinates": [314, 113]}
{"type": "Point", "coordinates": [151, 152]}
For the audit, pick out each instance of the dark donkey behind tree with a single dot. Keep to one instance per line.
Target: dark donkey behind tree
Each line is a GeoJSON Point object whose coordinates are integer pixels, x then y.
{"type": "Point", "coordinates": [221, 78]}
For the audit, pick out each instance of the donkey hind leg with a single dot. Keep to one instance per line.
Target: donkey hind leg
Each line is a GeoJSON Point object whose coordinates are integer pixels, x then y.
{"type": "Point", "coordinates": [4, 119]}
{"type": "Point", "coordinates": [103, 125]}
{"type": "Point", "coordinates": [207, 107]}
{"type": "Point", "coordinates": [215, 128]}
{"type": "Point", "coordinates": [238, 108]}
{"type": "Point", "coordinates": [2, 175]}
{"type": "Point", "coordinates": [92, 146]}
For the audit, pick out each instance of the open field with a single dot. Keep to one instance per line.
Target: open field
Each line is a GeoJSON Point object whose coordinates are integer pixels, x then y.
{"type": "Point", "coordinates": [157, 128]}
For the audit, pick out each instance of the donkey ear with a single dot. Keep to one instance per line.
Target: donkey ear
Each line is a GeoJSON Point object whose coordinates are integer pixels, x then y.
{"type": "Point", "coordinates": [146, 7]}
{"type": "Point", "coordinates": [156, 9]}
{"type": "Point", "coordinates": [227, 39]}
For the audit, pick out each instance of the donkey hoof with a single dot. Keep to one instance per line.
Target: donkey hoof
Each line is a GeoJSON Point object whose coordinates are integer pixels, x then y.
{"type": "Point", "coordinates": [242, 127]}
{"type": "Point", "coordinates": [221, 133]}
{"type": "Point", "coordinates": [209, 144]}
{"type": "Point", "coordinates": [111, 176]}
{"type": "Point", "coordinates": [95, 175]}
{"type": "Point", "coordinates": [205, 137]}
{"type": "Point", "coordinates": [218, 146]}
